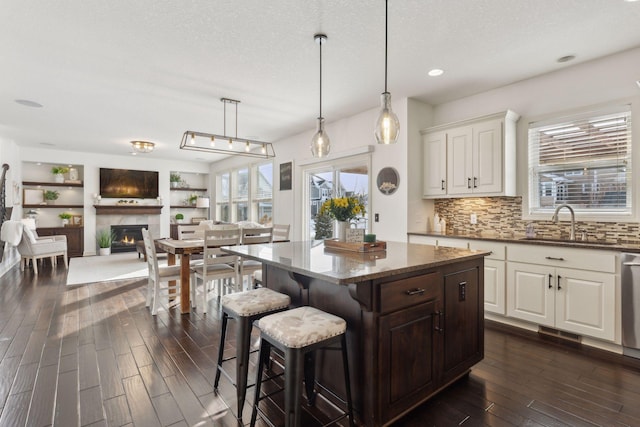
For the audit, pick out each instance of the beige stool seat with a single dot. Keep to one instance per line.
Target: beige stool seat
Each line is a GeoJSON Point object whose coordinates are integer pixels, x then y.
{"type": "Point", "coordinates": [255, 301]}
{"type": "Point", "coordinates": [302, 326]}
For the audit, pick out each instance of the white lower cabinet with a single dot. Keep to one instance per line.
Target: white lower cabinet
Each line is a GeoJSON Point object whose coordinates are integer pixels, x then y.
{"type": "Point", "coordinates": [494, 291]}
{"type": "Point", "coordinates": [574, 300]}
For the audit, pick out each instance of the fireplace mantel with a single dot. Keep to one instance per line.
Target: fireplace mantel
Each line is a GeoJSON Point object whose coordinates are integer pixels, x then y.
{"type": "Point", "coordinates": [128, 209]}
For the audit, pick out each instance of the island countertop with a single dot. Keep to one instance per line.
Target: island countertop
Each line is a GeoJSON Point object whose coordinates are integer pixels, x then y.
{"type": "Point", "coordinates": [312, 259]}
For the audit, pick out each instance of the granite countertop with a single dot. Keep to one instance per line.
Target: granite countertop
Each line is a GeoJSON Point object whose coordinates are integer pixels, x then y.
{"type": "Point", "coordinates": [312, 259]}
{"type": "Point", "coordinates": [550, 241]}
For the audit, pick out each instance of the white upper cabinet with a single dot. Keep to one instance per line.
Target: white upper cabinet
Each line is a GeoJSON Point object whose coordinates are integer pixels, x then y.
{"type": "Point", "coordinates": [434, 152]}
{"type": "Point", "coordinates": [479, 155]}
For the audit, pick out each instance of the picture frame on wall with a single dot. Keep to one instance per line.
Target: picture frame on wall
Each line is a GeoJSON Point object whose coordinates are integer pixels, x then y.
{"type": "Point", "coordinates": [33, 196]}
{"type": "Point", "coordinates": [76, 221]}
{"type": "Point", "coordinates": [286, 175]}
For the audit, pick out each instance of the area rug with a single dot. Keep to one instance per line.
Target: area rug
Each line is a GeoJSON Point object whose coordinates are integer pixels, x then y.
{"type": "Point", "coordinates": [93, 269]}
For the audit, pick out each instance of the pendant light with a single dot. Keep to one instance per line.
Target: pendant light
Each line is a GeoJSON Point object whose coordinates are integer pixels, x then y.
{"type": "Point", "coordinates": [320, 144]}
{"type": "Point", "coordinates": [387, 126]}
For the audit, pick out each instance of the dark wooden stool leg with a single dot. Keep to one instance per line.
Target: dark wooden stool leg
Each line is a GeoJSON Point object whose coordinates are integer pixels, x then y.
{"type": "Point", "coordinates": [310, 376]}
{"type": "Point", "coordinates": [223, 334]}
{"type": "Point", "coordinates": [243, 342]}
{"type": "Point", "coordinates": [347, 381]}
{"type": "Point", "coordinates": [263, 357]}
{"type": "Point", "coordinates": [293, 373]}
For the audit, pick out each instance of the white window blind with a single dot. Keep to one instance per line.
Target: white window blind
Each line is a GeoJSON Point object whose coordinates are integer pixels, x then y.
{"type": "Point", "coordinates": [584, 161]}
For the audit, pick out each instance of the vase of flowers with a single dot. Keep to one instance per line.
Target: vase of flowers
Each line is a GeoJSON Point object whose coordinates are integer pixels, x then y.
{"type": "Point", "coordinates": [343, 210]}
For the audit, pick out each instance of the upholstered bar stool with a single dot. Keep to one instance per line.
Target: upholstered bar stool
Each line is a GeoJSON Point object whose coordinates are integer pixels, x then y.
{"type": "Point", "coordinates": [245, 308]}
{"type": "Point", "coordinates": [297, 334]}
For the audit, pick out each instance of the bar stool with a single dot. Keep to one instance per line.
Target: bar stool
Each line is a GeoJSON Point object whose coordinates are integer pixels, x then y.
{"type": "Point", "coordinates": [297, 334]}
{"type": "Point", "coordinates": [245, 308]}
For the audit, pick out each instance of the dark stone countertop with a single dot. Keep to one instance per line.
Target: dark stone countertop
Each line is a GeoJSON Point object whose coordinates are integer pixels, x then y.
{"type": "Point", "coordinates": [549, 241]}
{"type": "Point", "coordinates": [312, 259]}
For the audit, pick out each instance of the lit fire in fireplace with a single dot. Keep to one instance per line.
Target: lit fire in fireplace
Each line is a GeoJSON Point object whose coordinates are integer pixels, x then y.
{"type": "Point", "coordinates": [126, 240]}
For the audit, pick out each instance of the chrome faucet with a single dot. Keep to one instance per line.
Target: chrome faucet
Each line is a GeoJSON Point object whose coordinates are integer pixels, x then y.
{"type": "Point", "coordinates": [555, 219]}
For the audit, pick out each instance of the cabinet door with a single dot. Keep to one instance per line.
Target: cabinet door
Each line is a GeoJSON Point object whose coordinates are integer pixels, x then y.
{"type": "Point", "coordinates": [494, 291]}
{"type": "Point", "coordinates": [487, 157]}
{"type": "Point", "coordinates": [408, 376]}
{"type": "Point", "coordinates": [585, 302]}
{"type": "Point", "coordinates": [463, 322]}
{"type": "Point", "coordinates": [530, 293]}
{"type": "Point", "coordinates": [459, 160]}
{"type": "Point", "coordinates": [434, 164]}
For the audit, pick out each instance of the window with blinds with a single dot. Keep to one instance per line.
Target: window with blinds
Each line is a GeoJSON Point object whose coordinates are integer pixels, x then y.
{"type": "Point", "coordinates": [584, 161]}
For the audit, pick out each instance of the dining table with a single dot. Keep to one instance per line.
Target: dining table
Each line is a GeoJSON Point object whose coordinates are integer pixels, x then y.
{"type": "Point", "coordinates": [184, 248]}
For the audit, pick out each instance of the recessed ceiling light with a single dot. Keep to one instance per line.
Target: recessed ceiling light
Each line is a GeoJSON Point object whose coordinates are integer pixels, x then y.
{"type": "Point", "coordinates": [630, 1]}
{"type": "Point", "coordinates": [48, 144]}
{"type": "Point", "coordinates": [28, 103]}
{"type": "Point", "coordinates": [435, 72]}
{"type": "Point", "coordinates": [566, 58]}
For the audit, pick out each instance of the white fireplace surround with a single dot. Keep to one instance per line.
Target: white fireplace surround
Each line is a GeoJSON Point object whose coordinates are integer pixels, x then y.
{"type": "Point", "coordinates": [106, 221]}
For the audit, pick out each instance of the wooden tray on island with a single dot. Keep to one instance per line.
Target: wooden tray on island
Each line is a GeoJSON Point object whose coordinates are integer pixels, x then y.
{"type": "Point", "coordinates": [357, 246]}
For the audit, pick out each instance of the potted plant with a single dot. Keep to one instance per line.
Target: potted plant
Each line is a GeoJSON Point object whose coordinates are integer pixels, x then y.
{"type": "Point", "coordinates": [179, 218]}
{"type": "Point", "coordinates": [65, 217]}
{"type": "Point", "coordinates": [175, 179]}
{"type": "Point", "coordinates": [104, 238]}
{"type": "Point", "coordinates": [193, 198]}
{"type": "Point", "coordinates": [51, 195]}
{"type": "Point", "coordinates": [58, 173]}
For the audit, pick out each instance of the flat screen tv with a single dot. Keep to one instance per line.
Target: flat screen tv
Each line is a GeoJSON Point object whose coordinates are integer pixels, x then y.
{"type": "Point", "coordinates": [128, 184]}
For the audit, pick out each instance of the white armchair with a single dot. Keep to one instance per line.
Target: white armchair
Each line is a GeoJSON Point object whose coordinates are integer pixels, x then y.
{"type": "Point", "coordinates": [32, 247]}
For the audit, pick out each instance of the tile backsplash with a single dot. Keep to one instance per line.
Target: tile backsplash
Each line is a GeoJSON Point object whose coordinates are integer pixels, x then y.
{"type": "Point", "coordinates": [503, 216]}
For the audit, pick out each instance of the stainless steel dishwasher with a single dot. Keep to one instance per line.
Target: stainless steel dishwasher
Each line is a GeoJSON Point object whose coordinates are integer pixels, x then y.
{"type": "Point", "coordinates": [630, 278]}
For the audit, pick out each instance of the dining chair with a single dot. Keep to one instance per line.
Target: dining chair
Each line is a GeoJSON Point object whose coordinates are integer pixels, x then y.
{"type": "Point", "coordinates": [217, 265]}
{"type": "Point", "coordinates": [251, 236]}
{"type": "Point", "coordinates": [157, 294]}
{"type": "Point", "coordinates": [281, 232]}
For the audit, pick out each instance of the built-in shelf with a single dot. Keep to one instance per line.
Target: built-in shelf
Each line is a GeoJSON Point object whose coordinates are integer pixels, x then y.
{"type": "Point", "coordinates": [185, 207]}
{"type": "Point", "coordinates": [52, 184]}
{"type": "Point", "coordinates": [58, 206]}
{"type": "Point", "coordinates": [188, 189]}
{"type": "Point", "coordinates": [128, 210]}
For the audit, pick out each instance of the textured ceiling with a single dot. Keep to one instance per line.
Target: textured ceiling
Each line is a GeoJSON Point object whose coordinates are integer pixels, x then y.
{"type": "Point", "coordinates": [110, 72]}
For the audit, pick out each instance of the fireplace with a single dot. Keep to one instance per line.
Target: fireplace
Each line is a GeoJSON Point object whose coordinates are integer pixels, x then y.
{"type": "Point", "coordinates": [125, 237]}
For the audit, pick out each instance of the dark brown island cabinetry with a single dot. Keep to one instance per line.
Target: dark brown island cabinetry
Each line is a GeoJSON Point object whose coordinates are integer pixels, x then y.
{"type": "Point", "coordinates": [414, 317]}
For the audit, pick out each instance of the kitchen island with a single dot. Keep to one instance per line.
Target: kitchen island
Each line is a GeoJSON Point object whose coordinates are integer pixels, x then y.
{"type": "Point", "coordinates": [414, 316]}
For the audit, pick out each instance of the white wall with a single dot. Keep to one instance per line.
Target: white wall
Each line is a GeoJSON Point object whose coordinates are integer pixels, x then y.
{"type": "Point", "coordinates": [93, 162]}
{"type": "Point", "coordinates": [10, 154]}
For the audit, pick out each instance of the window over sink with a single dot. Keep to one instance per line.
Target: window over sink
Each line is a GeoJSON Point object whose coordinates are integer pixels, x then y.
{"type": "Point", "coordinates": [583, 160]}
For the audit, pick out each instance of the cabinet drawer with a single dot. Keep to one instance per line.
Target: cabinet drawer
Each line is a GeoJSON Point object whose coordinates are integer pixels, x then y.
{"type": "Point", "coordinates": [497, 249]}
{"type": "Point", "coordinates": [414, 290]}
{"type": "Point", "coordinates": [583, 259]}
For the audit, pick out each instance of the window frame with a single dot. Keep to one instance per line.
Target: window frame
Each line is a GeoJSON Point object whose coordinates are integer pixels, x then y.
{"type": "Point", "coordinates": [234, 200]}
{"type": "Point", "coordinates": [529, 190]}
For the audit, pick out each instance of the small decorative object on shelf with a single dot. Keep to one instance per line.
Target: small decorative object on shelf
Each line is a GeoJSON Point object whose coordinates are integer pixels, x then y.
{"type": "Point", "coordinates": [179, 218]}
{"type": "Point", "coordinates": [126, 202]}
{"type": "Point", "coordinates": [73, 174]}
{"type": "Point", "coordinates": [51, 195]}
{"type": "Point", "coordinates": [193, 198]}
{"type": "Point", "coordinates": [58, 173]}
{"type": "Point", "coordinates": [97, 198]}
{"type": "Point", "coordinates": [65, 217]}
{"type": "Point", "coordinates": [175, 179]}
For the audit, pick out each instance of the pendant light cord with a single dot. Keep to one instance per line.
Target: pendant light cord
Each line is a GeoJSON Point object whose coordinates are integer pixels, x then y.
{"type": "Point", "coordinates": [386, 32]}
{"type": "Point", "coordinates": [320, 42]}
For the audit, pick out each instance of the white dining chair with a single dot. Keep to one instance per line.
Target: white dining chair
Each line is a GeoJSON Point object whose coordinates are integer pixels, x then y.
{"type": "Point", "coordinates": [217, 266]}
{"type": "Point", "coordinates": [252, 236]}
{"type": "Point", "coordinates": [158, 295]}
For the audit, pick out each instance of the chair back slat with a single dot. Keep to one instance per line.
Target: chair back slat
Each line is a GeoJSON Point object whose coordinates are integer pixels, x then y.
{"type": "Point", "coordinates": [252, 236]}
{"type": "Point", "coordinates": [281, 232]}
{"type": "Point", "coordinates": [190, 231]}
{"type": "Point", "coordinates": [150, 250]}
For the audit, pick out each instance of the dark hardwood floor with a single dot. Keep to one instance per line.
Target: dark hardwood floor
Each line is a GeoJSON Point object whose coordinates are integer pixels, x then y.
{"type": "Point", "coordinates": [93, 355]}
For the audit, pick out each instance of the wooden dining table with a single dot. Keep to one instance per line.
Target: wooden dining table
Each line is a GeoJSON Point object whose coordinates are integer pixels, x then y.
{"type": "Point", "coordinates": [184, 248]}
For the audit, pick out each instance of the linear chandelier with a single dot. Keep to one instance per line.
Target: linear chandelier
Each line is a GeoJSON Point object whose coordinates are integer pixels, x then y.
{"type": "Point", "coordinates": [224, 144]}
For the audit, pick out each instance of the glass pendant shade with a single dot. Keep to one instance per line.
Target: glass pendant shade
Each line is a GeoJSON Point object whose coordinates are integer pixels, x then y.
{"type": "Point", "coordinates": [387, 126]}
{"type": "Point", "coordinates": [320, 143]}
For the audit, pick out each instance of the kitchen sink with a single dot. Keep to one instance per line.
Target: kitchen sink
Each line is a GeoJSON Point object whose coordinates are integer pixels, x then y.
{"type": "Point", "coordinates": [567, 241]}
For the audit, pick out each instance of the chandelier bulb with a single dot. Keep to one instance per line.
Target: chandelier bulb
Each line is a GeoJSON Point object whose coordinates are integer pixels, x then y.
{"type": "Point", "coordinates": [213, 141]}
{"type": "Point", "coordinates": [246, 147]}
{"type": "Point", "coordinates": [193, 139]}
{"type": "Point", "coordinates": [320, 143]}
{"type": "Point", "coordinates": [387, 126]}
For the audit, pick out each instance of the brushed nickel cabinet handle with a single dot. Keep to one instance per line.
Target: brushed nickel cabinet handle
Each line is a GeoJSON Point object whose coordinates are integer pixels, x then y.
{"type": "Point", "coordinates": [554, 258]}
{"type": "Point", "coordinates": [417, 291]}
